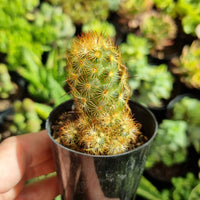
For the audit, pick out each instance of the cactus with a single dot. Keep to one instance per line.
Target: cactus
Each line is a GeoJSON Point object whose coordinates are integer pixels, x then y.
{"type": "Point", "coordinates": [98, 82]}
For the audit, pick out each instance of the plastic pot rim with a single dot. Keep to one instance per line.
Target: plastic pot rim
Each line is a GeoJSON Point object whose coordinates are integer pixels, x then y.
{"type": "Point", "coordinates": [47, 124]}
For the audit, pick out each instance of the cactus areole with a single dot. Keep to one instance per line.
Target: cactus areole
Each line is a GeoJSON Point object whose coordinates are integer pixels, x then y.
{"type": "Point", "coordinates": [102, 121]}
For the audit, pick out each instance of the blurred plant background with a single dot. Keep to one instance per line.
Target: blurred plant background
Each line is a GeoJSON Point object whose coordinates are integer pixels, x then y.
{"type": "Point", "coordinates": [160, 45]}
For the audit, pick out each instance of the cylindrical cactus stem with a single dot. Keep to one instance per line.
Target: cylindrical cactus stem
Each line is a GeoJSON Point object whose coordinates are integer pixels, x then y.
{"type": "Point", "coordinates": [96, 76]}
{"type": "Point", "coordinates": [98, 81]}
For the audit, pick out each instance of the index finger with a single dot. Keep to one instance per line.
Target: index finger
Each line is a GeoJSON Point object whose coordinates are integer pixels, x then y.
{"type": "Point", "coordinates": [37, 147]}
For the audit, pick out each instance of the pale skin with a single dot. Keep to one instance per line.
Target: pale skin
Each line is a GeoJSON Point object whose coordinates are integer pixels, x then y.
{"type": "Point", "coordinates": [22, 158]}
{"type": "Point", "coordinates": [28, 156]}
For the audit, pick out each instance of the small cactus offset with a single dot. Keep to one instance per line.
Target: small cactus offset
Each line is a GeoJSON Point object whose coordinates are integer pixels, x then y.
{"type": "Point", "coordinates": [98, 82]}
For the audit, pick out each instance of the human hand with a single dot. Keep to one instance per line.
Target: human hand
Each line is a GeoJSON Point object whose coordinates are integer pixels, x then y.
{"type": "Point", "coordinates": [22, 158]}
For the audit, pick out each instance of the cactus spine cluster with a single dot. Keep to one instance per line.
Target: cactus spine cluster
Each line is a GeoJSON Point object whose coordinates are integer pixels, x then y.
{"type": "Point", "coordinates": [98, 82]}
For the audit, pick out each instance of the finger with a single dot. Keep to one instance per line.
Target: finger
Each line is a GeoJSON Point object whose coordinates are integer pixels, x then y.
{"type": "Point", "coordinates": [41, 169]}
{"type": "Point", "coordinates": [37, 147]}
{"type": "Point", "coordinates": [43, 190]}
{"type": "Point", "coordinates": [19, 153]}
{"type": "Point", "coordinates": [12, 193]}
{"type": "Point", "coordinates": [12, 164]}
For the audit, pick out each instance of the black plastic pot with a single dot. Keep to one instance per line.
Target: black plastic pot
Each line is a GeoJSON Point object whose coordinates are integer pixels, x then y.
{"type": "Point", "coordinates": [91, 177]}
{"type": "Point", "coordinates": [5, 114]}
{"type": "Point", "coordinates": [177, 99]}
{"type": "Point", "coordinates": [159, 112]}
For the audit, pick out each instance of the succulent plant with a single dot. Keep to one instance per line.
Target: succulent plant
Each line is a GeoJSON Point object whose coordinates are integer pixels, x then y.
{"type": "Point", "coordinates": [132, 11]}
{"type": "Point", "coordinates": [166, 6]}
{"type": "Point", "coordinates": [183, 187]}
{"type": "Point", "coordinates": [135, 49]}
{"type": "Point", "coordinates": [160, 29]}
{"type": "Point", "coordinates": [31, 27]}
{"type": "Point", "coordinates": [6, 86]}
{"type": "Point", "coordinates": [151, 84]}
{"type": "Point", "coordinates": [51, 19]}
{"type": "Point", "coordinates": [188, 110]}
{"type": "Point", "coordinates": [133, 7]}
{"type": "Point", "coordinates": [170, 145]}
{"type": "Point", "coordinates": [189, 13]}
{"type": "Point", "coordinates": [82, 11]}
{"type": "Point", "coordinates": [99, 26]}
{"type": "Point", "coordinates": [25, 119]}
{"type": "Point", "coordinates": [188, 65]}
{"type": "Point", "coordinates": [113, 5]}
{"type": "Point", "coordinates": [41, 78]}
{"type": "Point", "coordinates": [98, 82]}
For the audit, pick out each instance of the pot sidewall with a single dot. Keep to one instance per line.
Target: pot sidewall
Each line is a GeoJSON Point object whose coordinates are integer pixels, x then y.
{"type": "Point", "coordinates": [115, 176]}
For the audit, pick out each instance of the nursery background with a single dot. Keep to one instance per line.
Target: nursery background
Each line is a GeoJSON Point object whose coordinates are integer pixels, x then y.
{"type": "Point", "coordinates": [160, 45]}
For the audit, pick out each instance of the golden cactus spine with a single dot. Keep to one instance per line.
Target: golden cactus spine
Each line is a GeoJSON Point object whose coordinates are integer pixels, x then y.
{"type": "Point", "coordinates": [98, 82]}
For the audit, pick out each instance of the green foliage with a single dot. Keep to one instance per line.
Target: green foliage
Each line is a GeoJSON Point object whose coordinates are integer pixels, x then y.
{"type": "Point", "coordinates": [133, 7]}
{"type": "Point", "coordinates": [166, 6]}
{"type": "Point", "coordinates": [195, 194]}
{"type": "Point", "coordinates": [190, 24]}
{"type": "Point", "coordinates": [189, 7]}
{"type": "Point", "coordinates": [188, 109]}
{"type": "Point", "coordinates": [23, 7]}
{"type": "Point", "coordinates": [134, 50]}
{"type": "Point", "coordinates": [6, 86]}
{"type": "Point", "coordinates": [24, 41]}
{"type": "Point", "coordinates": [189, 12]}
{"type": "Point", "coordinates": [28, 29]}
{"type": "Point", "coordinates": [98, 82]}
{"type": "Point", "coordinates": [82, 11]}
{"type": "Point", "coordinates": [49, 19]}
{"type": "Point", "coordinates": [152, 86]}
{"type": "Point", "coordinates": [113, 5]}
{"type": "Point", "coordinates": [58, 197]}
{"type": "Point", "coordinates": [147, 190]}
{"type": "Point", "coordinates": [170, 145]}
{"type": "Point", "coordinates": [183, 186]}
{"type": "Point", "coordinates": [151, 83]}
{"type": "Point", "coordinates": [188, 65]}
{"type": "Point", "coordinates": [160, 29]}
{"type": "Point", "coordinates": [13, 29]}
{"type": "Point", "coordinates": [25, 119]}
{"type": "Point", "coordinates": [44, 80]}
{"type": "Point", "coordinates": [15, 34]}
{"type": "Point", "coordinates": [100, 27]}
{"type": "Point", "coordinates": [42, 110]}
